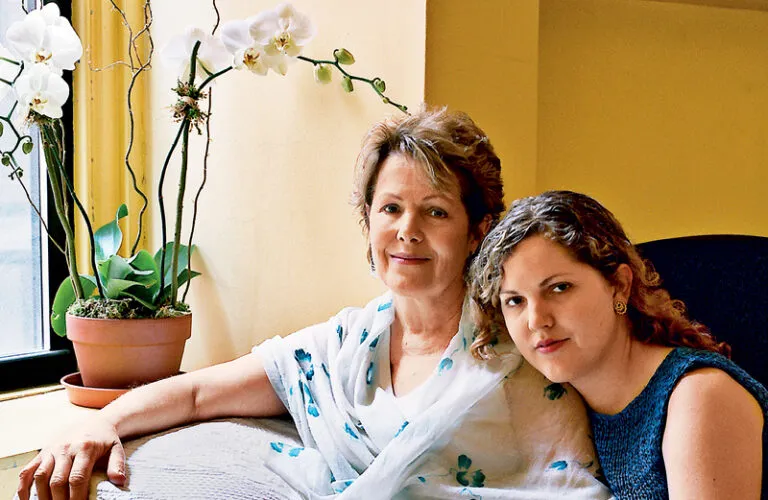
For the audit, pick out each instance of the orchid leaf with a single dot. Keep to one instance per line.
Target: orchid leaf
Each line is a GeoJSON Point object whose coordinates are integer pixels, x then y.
{"type": "Point", "coordinates": [184, 253]}
{"type": "Point", "coordinates": [184, 276]}
{"type": "Point", "coordinates": [108, 237]}
{"type": "Point", "coordinates": [65, 297]}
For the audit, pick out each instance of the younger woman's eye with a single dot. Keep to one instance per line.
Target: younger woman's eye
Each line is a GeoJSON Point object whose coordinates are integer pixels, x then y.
{"type": "Point", "coordinates": [513, 301]}
{"type": "Point", "coordinates": [561, 287]}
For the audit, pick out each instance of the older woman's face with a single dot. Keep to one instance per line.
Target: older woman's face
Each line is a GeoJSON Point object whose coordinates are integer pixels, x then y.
{"type": "Point", "coordinates": [420, 237]}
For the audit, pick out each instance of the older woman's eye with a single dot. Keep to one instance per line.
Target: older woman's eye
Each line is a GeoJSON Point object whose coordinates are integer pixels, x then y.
{"type": "Point", "coordinates": [438, 212]}
{"type": "Point", "coordinates": [561, 287]}
{"type": "Point", "coordinates": [390, 208]}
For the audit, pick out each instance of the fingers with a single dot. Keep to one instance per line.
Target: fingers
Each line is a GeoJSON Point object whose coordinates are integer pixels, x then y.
{"type": "Point", "coordinates": [80, 476]}
{"type": "Point", "coordinates": [116, 465]}
{"type": "Point", "coordinates": [26, 477]}
{"type": "Point", "coordinates": [59, 482]}
{"type": "Point", "coordinates": [41, 476]}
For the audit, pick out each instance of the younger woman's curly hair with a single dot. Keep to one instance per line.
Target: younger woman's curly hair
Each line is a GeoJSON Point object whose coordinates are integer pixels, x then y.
{"type": "Point", "coordinates": [594, 237]}
{"type": "Point", "coordinates": [448, 146]}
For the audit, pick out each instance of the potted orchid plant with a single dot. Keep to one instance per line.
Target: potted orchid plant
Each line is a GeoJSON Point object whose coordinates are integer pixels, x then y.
{"type": "Point", "coordinates": [140, 286]}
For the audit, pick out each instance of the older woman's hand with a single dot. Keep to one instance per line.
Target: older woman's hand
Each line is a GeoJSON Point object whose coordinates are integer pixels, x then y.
{"type": "Point", "coordinates": [64, 469]}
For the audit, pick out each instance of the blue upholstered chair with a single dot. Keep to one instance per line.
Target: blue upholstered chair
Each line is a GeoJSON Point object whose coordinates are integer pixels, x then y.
{"type": "Point", "coordinates": [723, 280]}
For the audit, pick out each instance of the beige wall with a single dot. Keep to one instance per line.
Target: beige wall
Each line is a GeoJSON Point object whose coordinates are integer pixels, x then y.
{"type": "Point", "coordinates": [279, 245]}
{"type": "Point", "coordinates": [656, 108]}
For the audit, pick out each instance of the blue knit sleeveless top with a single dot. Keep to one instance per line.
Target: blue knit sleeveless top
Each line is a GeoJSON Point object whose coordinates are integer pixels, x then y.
{"type": "Point", "coordinates": [629, 443]}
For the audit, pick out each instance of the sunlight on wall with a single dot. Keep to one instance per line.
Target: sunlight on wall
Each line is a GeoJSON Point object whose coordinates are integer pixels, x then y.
{"type": "Point", "coordinates": [279, 245]}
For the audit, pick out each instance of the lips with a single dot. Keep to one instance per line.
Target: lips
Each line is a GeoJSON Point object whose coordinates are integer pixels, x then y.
{"type": "Point", "coordinates": [408, 259]}
{"type": "Point", "coordinates": [548, 346]}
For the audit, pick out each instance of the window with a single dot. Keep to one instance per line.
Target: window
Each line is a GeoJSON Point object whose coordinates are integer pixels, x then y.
{"type": "Point", "coordinates": [30, 266]}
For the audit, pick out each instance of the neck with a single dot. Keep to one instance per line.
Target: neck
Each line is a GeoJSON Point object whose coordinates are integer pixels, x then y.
{"type": "Point", "coordinates": [425, 325]}
{"type": "Point", "coordinates": [621, 376]}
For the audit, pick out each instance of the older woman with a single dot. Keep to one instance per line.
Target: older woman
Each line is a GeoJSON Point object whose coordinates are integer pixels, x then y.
{"type": "Point", "coordinates": [672, 417]}
{"type": "Point", "coordinates": [387, 398]}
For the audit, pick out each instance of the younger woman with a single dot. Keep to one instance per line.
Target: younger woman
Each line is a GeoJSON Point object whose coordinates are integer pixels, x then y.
{"type": "Point", "coordinates": [672, 417]}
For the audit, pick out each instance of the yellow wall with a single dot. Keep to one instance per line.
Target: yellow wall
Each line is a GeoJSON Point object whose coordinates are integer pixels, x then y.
{"type": "Point", "coordinates": [279, 245]}
{"type": "Point", "coordinates": [482, 58]}
{"type": "Point", "coordinates": [658, 109]}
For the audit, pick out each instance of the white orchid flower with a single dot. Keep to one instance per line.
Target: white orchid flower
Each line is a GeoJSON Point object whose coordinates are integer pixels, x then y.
{"type": "Point", "coordinates": [41, 90]}
{"type": "Point", "coordinates": [212, 56]}
{"type": "Point", "coordinates": [283, 32]}
{"type": "Point", "coordinates": [43, 36]}
{"type": "Point", "coordinates": [247, 53]}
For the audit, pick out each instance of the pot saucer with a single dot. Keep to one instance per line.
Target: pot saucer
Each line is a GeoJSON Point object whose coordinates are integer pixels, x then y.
{"type": "Point", "coordinates": [89, 397]}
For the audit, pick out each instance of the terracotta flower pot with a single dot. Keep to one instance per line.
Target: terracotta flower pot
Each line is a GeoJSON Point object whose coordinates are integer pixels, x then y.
{"type": "Point", "coordinates": [125, 353]}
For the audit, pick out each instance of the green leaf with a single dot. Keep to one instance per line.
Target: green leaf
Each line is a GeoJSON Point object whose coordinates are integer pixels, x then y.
{"type": "Point", "coordinates": [554, 391]}
{"type": "Point", "coordinates": [65, 297]}
{"type": "Point", "coordinates": [461, 477]}
{"type": "Point", "coordinates": [183, 278]}
{"type": "Point", "coordinates": [108, 237]}
{"type": "Point", "coordinates": [478, 479]}
{"type": "Point", "coordinates": [145, 271]}
{"type": "Point", "coordinates": [464, 462]}
{"type": "Point", "coordinates": [346, 84]}
{"type": "Point", "coordinates": [184, 253]}
{"type": "Point", "coordinates": [27, 147]}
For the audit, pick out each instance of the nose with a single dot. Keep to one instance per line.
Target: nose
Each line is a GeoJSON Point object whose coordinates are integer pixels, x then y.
{"type": "Point", "coordinates": [539, 316]}
{"type": "Point", "coordinates": [410, 228]}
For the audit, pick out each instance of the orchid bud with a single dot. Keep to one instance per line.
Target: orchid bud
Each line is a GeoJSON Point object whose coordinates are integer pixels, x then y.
{"type": "Point", "coordinates": [6, 160]}
{"type": "Point", "coordinates": [346, 84]}
{"type": "Point", "coordinates": [323, 73]}
{"type": "Point", "coordinates": [27, 147]}
{"type": "Point", "coordinates": [1, 128]}
{"type": "Point", "coordinates": [343, 56]}
{"type": "Point", "coordinates": [379, 84]}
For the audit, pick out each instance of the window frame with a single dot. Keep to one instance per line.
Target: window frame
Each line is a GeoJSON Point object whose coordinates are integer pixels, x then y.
{"type": "Point", "coordinates": [47, 366]}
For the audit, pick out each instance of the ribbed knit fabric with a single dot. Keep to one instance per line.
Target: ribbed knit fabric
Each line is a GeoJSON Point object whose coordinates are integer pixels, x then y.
{"type": "Point", "coordinates": [629, 443]}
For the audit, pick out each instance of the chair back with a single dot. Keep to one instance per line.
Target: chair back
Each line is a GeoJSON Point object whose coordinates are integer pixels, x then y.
{"type": "Point", "coordinates": [723, 280]}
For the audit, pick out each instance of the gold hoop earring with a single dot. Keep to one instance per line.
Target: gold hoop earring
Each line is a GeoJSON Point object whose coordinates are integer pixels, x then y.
{"type": "Point", "coordinates": [620, 307]}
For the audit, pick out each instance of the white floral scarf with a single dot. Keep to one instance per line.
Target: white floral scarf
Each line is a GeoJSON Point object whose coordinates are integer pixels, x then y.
{"type": "Point", "coordinates": [474, 429]}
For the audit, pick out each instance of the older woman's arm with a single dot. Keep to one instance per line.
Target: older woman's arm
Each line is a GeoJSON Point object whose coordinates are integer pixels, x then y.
{"type": "Point", "coordinates": [239, 388]}
{"type": "Point", "coordinates": [712, 443]}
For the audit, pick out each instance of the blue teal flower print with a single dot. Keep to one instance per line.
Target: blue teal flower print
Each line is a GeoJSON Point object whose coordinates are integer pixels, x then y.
{"type": "Point", "coordinates": [348, 429]}
{"type": "Point", "coordinates": [374, 342]}
{"type": "Point", "coordinates": [559, 465]}
{"type": "Point", "coordinates": [343, 486]}
{"type": "Point", "coordinates": [363, 335]}
{"type": "Point", "coordinates": [305, 362]}
{"type": "Point", "coordinates": [385, 306]}
{"type": "Point", "coordinates": [445, 364]}
{"type": "Point", "coordinates": [465, 477]}
{"type": "Point", "coordinates": [369, 374]}
{"type": "Point", "coordinates": [311, 407]}
{"type": "Point", "coordinates": [554, 391]}
{"type": "Point", "coordinates": [340, 331]}
{"type": "Point", "coordinates": [402, 428]}
{"type": "Point", "coordinates": [279, 447]}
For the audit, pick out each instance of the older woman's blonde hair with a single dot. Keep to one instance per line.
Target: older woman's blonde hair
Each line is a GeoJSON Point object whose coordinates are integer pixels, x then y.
{"type": "Point", "coordinates": [450, 148]}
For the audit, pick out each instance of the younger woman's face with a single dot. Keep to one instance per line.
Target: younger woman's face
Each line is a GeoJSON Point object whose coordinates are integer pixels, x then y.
{"type": "Point", "coordinates": [559, 311]}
